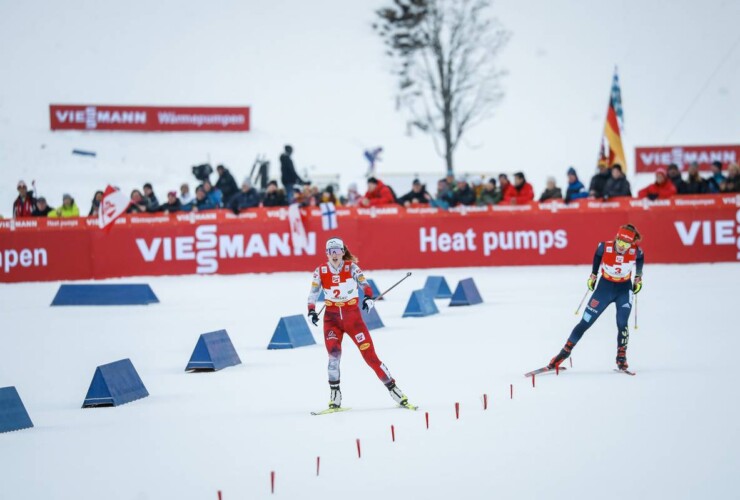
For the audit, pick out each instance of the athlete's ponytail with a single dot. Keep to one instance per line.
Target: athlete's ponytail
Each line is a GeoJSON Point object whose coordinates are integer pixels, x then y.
{"type": "Point", "coordinates": [348, 255]}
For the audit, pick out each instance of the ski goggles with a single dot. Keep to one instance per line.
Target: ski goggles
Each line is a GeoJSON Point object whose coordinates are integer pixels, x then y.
{"type": "Point", "coordinates": [334, 251]}
{"type": "Point", "coordinates": [623, 245]}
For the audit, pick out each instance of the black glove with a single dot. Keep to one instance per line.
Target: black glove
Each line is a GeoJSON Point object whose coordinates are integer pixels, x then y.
{"type": "Point", "coordinates": [314, 317]}
{"type": "Point", "coordinates": [368, 303]}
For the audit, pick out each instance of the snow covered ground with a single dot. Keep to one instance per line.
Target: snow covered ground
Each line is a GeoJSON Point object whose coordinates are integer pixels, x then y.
{"type": "Point", "coordinates": [669, 432]}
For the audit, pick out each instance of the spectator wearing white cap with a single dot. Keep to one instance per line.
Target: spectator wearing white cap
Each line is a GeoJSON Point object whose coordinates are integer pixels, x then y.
{"type": "Point", "coordinates": [24, 203]}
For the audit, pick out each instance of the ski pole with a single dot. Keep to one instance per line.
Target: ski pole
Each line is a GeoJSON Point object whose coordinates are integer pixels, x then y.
{"type": "Point", "coordinates": [382, 294]}
{"type": "Point", "coordinates": [635, 312]}
{"type": "Point", "coordinates": [582, 301]}
{"type": "Point", "coordinates": [393, 286]}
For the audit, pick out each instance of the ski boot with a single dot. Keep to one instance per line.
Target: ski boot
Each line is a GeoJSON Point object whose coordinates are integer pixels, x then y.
{"type": "Point", "coordinates": [397, 394]}
{"type": "Point", "coordinates": [335, 396]}
{"type": "Point", "coordinates": [562, 355]}
{"type": "Point", "coordinates": [622, 358]}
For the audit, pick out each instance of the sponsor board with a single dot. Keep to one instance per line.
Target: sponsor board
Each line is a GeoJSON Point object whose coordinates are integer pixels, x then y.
{"type": "Point", "coordinates": [92, 117]}
{"type": "Point", "coordinates": [208, 243]}
{"type": "Point", "coordinates": [650, 158]}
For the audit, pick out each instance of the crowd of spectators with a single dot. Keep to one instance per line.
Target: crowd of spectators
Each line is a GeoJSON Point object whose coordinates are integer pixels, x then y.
{"type": "Point", "coordinates": [608, 183]}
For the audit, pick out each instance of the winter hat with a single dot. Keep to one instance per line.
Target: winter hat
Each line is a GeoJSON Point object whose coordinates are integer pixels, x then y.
{"type": "Point", "coordinates": [66, 195]}
{"type": "Point", "coordinates": [572, 171]}
{"type": "Point", "coordinates": [334, 243]}
{"type": "Point", "coordinates": [660, 170]}
{"type": "Point", "coordinates": [172, 193]}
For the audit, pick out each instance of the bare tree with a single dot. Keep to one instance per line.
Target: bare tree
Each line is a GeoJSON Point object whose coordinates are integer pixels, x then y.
{"type": "Point", "coordinates": [443, 54]}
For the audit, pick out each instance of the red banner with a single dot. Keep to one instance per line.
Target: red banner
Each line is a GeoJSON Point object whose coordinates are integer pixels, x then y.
{"type": "Point", "coordinates": [649, 159]}
{"type": "Point", "coordinates": [678, 230]}
{"type": "Point", "coordinates": [148, 118]}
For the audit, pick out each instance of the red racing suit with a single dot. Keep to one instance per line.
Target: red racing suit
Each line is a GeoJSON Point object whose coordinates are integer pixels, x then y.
{"type": "Point", "coordinates": [343, 315]}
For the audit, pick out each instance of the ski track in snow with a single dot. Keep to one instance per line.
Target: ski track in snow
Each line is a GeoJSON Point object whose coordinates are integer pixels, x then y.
{"type": "Point", "coordinates": [669, 432]}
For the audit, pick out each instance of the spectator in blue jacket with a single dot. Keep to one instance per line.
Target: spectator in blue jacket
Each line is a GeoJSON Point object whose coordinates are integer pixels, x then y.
{"type": "Point", "coordinates": [445, 196]}
{"type": "Point", "coordinates": [213, 194]}
{"type": "Point", "coordinates": [576, 189]}
{"type": "Point", "coordinates": [248, 197]}
{"type": "Point", "coordinates": [716, 179]}
{"type": "Point", "coordinates": [202, 201]}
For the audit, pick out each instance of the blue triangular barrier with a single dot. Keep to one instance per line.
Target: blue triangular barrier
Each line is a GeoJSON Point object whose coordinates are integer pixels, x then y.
{"type": "Point", "coordinates": [466, 294]}
{"type": "Point", "coordinates": [115, 384]}
{"type": "Point", "coordinates": [372, 319]}
{"type": "Point", "coordinates": [291, 332]}
{"type": "Point", "coordinates": [438, 287]}
{"type": "Point", "coordinates": [104, 295]}
{"type": "Point", "coordinates": [212, 352]}
{"type": "Point", "coordinates": [13, 415]}
{"type": "Point", "coordinates": [420, 304]}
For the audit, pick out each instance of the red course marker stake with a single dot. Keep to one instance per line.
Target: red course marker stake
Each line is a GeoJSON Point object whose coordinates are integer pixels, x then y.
{"type": "Point", "coordinates": [511, 390]}
{"type": "Point", "coordinates": [219, 495]}
{"type": "Point", "coordinates": [272, 481]}
{"type": "Point", "coordinates": [318, 464]}
{"type": "Point", "coordinates": [532, 380]}
{"type": "Point", "coordinates": [393, 433]}
{"type": "Point", "coordinates": [457, 410]}
{"type": "Point", "coordinates": [485, 401]}
{"type": "Point", "coordinates": [359, 453]}
{"type": "Point", "coordinates": [426, 416]}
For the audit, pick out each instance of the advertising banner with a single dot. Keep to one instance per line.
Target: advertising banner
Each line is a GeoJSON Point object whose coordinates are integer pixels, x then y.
{"type": "Point", "coordinates": [93, 117]}
{"type": "Point", "coordinates": [648, 159]}
{"type": "Point", "coordinates": [679, 230]}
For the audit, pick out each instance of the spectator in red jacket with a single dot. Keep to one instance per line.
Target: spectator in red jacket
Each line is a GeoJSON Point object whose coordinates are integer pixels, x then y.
{"type": "Point", "coordinates": [377, 194]}
{"type": "Point", "coordinates": [23, 205]}
{"type": "Point", "coordinates": [662, 188]}
{"type": "Point", "coordinates": [521, 192]}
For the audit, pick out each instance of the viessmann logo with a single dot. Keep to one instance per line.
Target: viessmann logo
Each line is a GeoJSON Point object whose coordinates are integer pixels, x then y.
{"type": "Point", "coordinates": [207, 248]}
{"type": "Point", "coordinates": [91, 116]}
{"type": "Point", "coordinates": [712, 232]}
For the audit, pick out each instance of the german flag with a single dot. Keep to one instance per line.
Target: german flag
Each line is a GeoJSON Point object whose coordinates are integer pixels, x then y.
{"type": "Point", "coordinates": [611, 150]}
